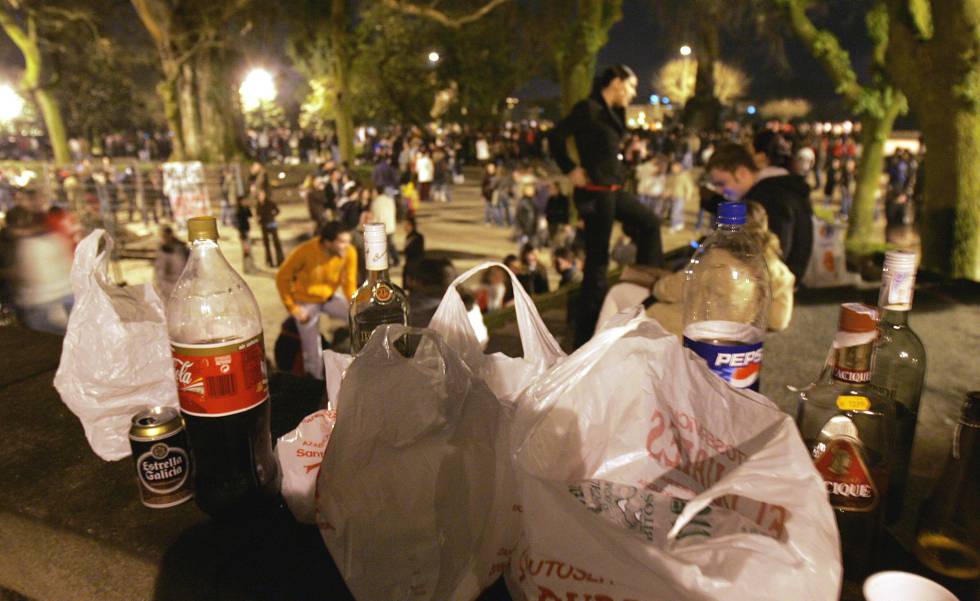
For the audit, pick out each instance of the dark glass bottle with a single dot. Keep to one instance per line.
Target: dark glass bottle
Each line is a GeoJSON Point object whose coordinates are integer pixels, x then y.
{"type": "Point", "coordinates": [948, 537]}
{"type": "Point", "coordinates": [848, 429]}
{"type": "Point", "coordinates": [216, 339]}
{"type": "Point", "coordinates": [378, 301]}
{"type": "Point", "coordinates": [900, 367]}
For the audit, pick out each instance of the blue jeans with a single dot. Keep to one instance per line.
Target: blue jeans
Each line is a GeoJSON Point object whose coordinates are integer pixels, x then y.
{"type": "Point", "coordinates": [845, 201]}
{"type": "Point", "coordinates": [503, 209]}
{"type": "Point", "coordinates": [491, 214]}
{"type": "Point", "coordinates": [50, 317]}
{"type": "Point", "coordinates": [309, 331]}
{"type": "Point", "coordinates": [676, 213]}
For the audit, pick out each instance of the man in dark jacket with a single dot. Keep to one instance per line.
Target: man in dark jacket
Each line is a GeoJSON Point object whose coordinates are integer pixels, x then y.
{"type": "Point", "coordinates": [597, 126]}
{"type": "Point", "coordinates": [786, 198]}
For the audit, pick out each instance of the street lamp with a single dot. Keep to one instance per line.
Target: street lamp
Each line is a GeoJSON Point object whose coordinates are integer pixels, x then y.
{"type": "Point", "coordinates": [257, 87]}
{"type": "Point", "coordinates": [685, 50]}
{"type": "Point", "coordinates": [11, 104]}
{"type": "Point", "coordinates": [434, 57]}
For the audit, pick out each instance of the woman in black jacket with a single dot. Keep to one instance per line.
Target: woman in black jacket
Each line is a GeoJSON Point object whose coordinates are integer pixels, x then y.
{"type": "Point", "coordinates": [597, 125]}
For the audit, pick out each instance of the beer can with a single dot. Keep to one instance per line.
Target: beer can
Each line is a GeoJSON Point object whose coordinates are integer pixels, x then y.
{"type": "Point", "coordinates": [163, 460]}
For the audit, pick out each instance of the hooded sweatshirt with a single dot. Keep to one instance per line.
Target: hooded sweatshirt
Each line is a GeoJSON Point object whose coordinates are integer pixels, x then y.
{"type": "Point", "coordinates": [786, 199]}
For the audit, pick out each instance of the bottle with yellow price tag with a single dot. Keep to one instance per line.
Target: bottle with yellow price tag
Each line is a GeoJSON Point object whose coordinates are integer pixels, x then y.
{"type": "Point", "coordinates": [848, 428]}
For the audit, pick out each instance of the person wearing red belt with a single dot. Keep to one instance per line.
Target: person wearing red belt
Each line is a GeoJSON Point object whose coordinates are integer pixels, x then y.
{"type": "Point", "coordinates": [597, 124]}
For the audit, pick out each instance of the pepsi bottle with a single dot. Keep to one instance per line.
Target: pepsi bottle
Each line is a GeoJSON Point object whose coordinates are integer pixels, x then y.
{"type": "Point", "coordinates": [726, 300]}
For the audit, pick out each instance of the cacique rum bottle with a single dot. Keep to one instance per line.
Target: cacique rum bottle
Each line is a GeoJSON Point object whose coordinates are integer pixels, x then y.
{"type": "Point", "coordinates": [378, 301]}
{"type": "Point", "coordinates": [900, 366]}
{"type": "Point", "coordinates": [849, 430]}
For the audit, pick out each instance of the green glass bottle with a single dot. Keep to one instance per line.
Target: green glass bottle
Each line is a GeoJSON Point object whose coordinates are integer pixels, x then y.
{"type": "Point", "coordinates": [948, 538]}
{"type": "Point", "coordinates": [900, 367]}
{"type": "Point", "coordinates": [378, 301]}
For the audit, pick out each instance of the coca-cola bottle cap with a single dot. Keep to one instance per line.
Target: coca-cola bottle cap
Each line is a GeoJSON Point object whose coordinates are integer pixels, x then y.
{"type": "Point", "coordinates": [202, 228]}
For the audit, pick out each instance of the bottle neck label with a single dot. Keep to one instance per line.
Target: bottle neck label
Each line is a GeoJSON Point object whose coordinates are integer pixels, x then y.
{"type": "Point", "coordinates": [852, 364]}
{"type": "Point", "coordinates": [221, 378]}
{"type": "Point", "coordinates": [376, 255]}
{"type": "Point", "coordinates": [737, 364]}
{"type": "Point", "coordinates": [896, 290]}
{"type": "Point", "coordinates": [846, 476]}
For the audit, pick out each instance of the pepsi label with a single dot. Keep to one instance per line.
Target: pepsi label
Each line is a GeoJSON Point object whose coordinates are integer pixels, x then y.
{"type": "Point", "coordinates": [739, 365]}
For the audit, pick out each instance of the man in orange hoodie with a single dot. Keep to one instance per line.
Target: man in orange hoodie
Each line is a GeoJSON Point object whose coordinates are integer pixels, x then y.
{"type": "Point", "coordinates": [319, 276]}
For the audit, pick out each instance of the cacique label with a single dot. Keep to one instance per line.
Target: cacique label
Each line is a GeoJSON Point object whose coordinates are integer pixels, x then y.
{"type": "Point", "coordinates": [738, 364]}
{"type": "Point", "coordinates": [850, 486]}
{"type": "Point", "coordinates": [222, 378]}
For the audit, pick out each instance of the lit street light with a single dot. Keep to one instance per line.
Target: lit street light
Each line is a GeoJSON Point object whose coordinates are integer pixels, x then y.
{"type": "Point", "coordinates": [257, 87]}
{"type": "Point", "coordinates": [685, 50]}
{"type": "Point", "coordinates": [11, 104]}
{"type": "Point", "coordinates": [434, 57]}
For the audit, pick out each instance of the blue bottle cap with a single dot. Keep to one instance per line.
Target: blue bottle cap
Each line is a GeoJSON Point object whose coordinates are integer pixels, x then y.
{"type": "Point", "coordinates": [731, 213]}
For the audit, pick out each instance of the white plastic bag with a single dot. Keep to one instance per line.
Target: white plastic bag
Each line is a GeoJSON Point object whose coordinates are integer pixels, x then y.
{"type": "Point", "coordinates": [481, 541]}
{"type": "Point", "coordinates": [406, 490]}
{"type": "Point", "coordinates": [827, 267]}
{"type": "Point", "coordinates": [300, 453]}
{"type": "Point", "coordinates": [116, 354]}
{"type": "Point", "coordinates": [645, 477]}
{"type": "Point", "coordinates": [506, 376]}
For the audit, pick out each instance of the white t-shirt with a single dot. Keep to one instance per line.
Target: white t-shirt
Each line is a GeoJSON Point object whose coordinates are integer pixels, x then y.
{"type": "Point", "coordinates": [383, 209]}
{"type": "Point", "coordinates": [482, 150]}
{"type": "Point", "coordinates": [424, 168]}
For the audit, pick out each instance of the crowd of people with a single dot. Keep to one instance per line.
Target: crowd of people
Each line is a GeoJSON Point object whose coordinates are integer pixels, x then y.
{"type": "Point", "coordinates": [652, 181]}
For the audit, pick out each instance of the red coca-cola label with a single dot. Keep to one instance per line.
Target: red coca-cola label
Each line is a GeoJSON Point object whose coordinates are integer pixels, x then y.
{"type": "Point", "coordinates": [849, 483]}
{"type": "Point", "coordinates": [221, 378]}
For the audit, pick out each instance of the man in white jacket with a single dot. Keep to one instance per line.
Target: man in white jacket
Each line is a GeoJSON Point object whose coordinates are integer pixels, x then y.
{"type": "Point", "coordinates": [383, 210]}
{"type": "Point", "coordinates": [425, 173]}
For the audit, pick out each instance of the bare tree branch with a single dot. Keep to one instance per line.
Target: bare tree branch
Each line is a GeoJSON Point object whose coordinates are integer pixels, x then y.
{"type": "Point", "coordinates": [432, 13]}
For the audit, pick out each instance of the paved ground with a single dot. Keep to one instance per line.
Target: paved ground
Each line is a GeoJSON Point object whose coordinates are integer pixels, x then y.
{"type": "Point", "coordinates": [453, 230]}
{"type": "Point", "coordinates": [72, 528]}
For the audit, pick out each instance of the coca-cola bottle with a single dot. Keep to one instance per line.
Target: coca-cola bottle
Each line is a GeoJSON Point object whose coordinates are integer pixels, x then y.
{"type": "Point", "coordinates": [216, 339]}
{"type": "Point", "coordinates": [849, 429]}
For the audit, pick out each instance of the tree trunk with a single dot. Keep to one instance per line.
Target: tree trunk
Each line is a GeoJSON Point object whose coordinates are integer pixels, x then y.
{"type": "Point", "coordinates": [950, 226]}
{"type": "Point", "coordinates": [221, 121]}
{"type": "Point", "coordinates": [932, 55]}
{"type": "Point", "coordinates": [576, 81]}
{"type": "Point", "coordinates": [190, 115]}
{"type": "Point", "coordinates": [874, 132]}
{"type": "Point", "coordinates": [343, 114]}
{"type": "Point", "coordinates": [55, 125]}
{"type": "Point", "coordinates": [171, 111]}
{"type": "Point", "coordinates": [703, 110]}
{"type": "Point", "coordinates": [341, 60]}
{"type": "Point", "coordinates": [34, 80]}
{"type": "Point", "coordinates": [577, 57]}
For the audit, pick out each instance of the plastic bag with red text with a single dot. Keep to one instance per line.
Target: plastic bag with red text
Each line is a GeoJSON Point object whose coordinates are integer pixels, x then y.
{"type": "Point", "coordinates": [645, 477]}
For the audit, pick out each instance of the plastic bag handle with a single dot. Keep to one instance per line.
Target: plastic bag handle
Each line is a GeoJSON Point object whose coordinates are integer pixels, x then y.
{"type": "Point", "coordinates": [89, 261]}
{"type": "Point", "coordinates": [536, 341]}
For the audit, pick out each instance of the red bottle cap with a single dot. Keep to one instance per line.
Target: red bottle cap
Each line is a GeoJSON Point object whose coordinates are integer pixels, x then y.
{"type": "Point", "coordinates": [857, 317]}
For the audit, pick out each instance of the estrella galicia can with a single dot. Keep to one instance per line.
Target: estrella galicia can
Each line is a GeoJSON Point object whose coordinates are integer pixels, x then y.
{"type": "Point", "coordinates": [162, 456]}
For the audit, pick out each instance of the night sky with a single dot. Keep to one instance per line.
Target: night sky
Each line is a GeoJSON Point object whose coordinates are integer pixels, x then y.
{"type": "Point", "coordinates": [644, 39]}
